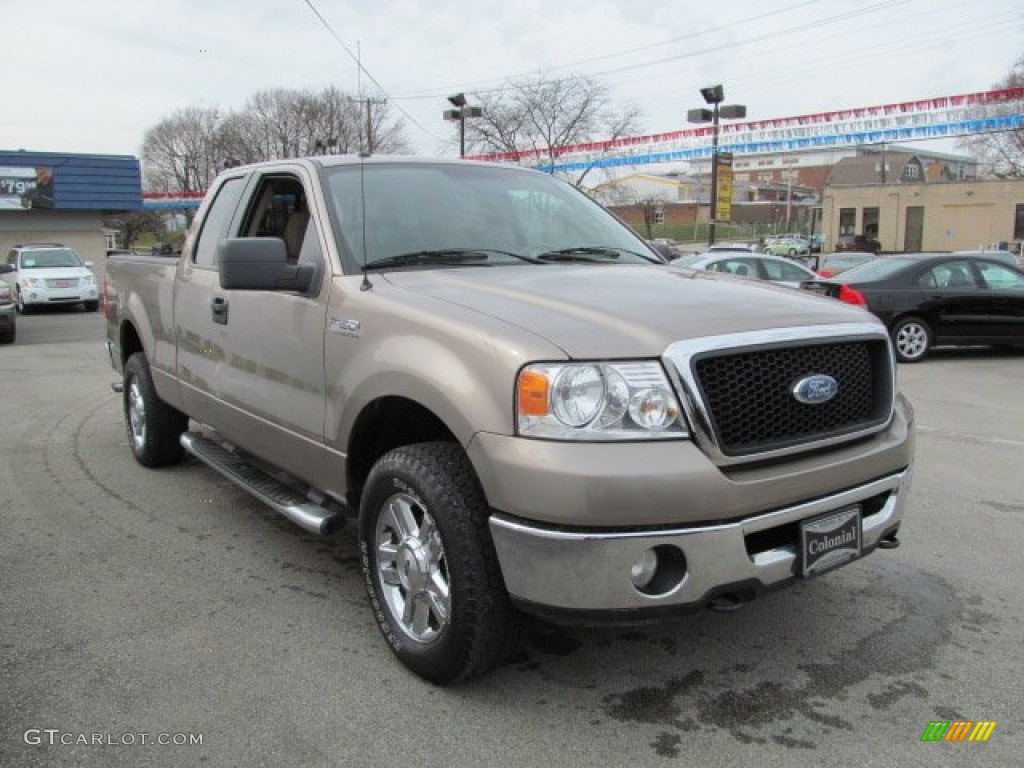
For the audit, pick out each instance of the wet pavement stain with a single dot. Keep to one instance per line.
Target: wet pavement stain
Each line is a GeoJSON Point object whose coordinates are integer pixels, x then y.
{"type": "Point", "coordinates": [931, 610]}
{"type": "Point", "coordinates": [894, 692]}
{"type": "Point", "coordinates": [667, 744]}
{"type": "Point", "coordinates": [654, 705]}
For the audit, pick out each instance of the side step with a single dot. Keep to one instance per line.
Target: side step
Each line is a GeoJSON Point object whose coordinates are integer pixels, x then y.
{"type": "Point", "coordinates": [293, 505]}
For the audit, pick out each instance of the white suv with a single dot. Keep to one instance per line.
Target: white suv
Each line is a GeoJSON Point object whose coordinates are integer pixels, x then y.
{"type": "Point", "coordinates": [50, 273]}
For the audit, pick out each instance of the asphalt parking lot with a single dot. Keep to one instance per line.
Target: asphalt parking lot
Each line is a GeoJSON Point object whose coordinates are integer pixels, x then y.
{"type": "Point", "coordinates": [169, 603]}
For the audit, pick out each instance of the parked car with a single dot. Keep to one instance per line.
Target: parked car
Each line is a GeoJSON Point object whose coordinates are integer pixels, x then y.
{"type": "Point", "coordinates": [50, 273]}
{"type": "Point", "coordinates": [761, 266]}
{"type": "Point", "coordinates": [929, 299]}
{"type": "Point", "coordinates": [787, 246]}
{"type": "Point", "coordinates": [665, 248]}
{"type": "Point", "coordinates": [831, 264]}
{"type": "Point", "coordinates": [858, 243]}
{"type": "Point", "coordinates": [8, 309]}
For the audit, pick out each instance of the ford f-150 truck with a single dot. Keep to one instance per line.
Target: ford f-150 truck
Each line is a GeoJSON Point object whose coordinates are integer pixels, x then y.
{"type": "Point", "coordinates": [522, 407]}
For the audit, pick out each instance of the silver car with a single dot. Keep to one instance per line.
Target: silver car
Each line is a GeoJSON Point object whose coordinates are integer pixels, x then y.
{"type": "Point", "coordinates": [760, 266]}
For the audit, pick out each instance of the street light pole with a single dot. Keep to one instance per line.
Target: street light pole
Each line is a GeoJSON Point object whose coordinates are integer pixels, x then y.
{"type": "Point", "coordinates": [460, 113]}
{"type": "Point", "coordinates": [714, 95]}
{"type": "Point", "coordinates": [714, 176]}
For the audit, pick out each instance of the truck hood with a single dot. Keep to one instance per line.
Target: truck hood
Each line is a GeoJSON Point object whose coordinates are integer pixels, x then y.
{"type": "Point", "coordinates": [603, 311]}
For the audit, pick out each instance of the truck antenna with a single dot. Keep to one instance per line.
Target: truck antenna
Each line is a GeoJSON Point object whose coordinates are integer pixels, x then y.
{"type": "Point", "coordinates": [366, 285]}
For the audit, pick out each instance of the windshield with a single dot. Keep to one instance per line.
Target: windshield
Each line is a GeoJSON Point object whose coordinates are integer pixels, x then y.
{"type": "Point", "coordinates": [51, 257]}
{"type": "Point", "coordinates": [869, 271]}
{"type": "Point", "coordinates": [470, 214]}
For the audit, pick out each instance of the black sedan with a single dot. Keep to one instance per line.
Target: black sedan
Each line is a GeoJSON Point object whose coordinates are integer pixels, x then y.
{"type": "Point", "coordinates": [927, 299]}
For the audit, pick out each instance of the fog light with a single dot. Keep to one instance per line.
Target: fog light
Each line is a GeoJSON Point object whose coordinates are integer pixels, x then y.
{"type": "Point", "coordinates": [658, 571]}
{"type": "Point", "coordinates": [644, 568]}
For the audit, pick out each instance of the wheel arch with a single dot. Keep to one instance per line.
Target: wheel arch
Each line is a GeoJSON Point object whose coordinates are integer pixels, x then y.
{"type": "Point", "coordinates": [383, 424]}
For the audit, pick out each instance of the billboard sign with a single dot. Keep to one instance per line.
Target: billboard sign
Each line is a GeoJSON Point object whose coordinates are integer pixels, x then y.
{"type": "Point", "coordinates": [723, 206]}
{"type": "Point", "coordinates": [25, 187]}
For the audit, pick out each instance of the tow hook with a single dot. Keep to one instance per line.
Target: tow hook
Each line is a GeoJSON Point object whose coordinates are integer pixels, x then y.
{"type": "Point", "coordinates": [889, 542]}
{"type": "Point", "coordinates": [724, 604]}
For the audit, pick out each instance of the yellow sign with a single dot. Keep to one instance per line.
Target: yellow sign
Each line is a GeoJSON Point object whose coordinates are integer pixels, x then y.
{"type": "Point", "coordinates": [723, 206]}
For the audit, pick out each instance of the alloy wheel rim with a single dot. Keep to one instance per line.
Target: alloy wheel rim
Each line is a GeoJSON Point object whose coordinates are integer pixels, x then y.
{"type": "Point", "coordinates": [912, 339]}
{"type": "Point", "coordinates": [412, 568]}
{"type": "Point", "coordinates": [136, 415]}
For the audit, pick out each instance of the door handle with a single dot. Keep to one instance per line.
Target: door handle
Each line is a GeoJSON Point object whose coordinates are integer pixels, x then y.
{"type": "Point", "coordinates": [219, 310]}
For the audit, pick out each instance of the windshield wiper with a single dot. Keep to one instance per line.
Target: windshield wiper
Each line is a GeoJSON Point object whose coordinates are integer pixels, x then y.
{"type": "Point", "coordinates": [581, 253]}
{"type": "Point", "coordinates": [456, 256]}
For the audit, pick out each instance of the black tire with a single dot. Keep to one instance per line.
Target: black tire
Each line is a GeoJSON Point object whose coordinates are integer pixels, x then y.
{"type": "Point", "coordinates": [439, 599]}
{"type": "Point", "coordinates": [154, 427]}
{"type": "Point", "coordinates": [911, 339]}
{"type": "Point", "coordinates": [8, 336]}
{"type": "Point", "coordinates": [92, 306]}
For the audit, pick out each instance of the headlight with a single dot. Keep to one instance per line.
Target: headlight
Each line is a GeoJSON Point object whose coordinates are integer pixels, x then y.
{"type": "Point", "coordinates": [5, 292]}
{"type": "Point", "coordinates": [597, 401]}
{"type": "Point", "coordinates": [89, 279]}
{"type": "Point", "coordinates": [31, 282]}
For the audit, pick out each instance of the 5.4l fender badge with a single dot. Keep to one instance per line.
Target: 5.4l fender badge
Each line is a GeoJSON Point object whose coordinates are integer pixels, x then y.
{"type": "Point", "coordinates": [815, 389]}
{"type": "Point", "coordinates": [344, 327]}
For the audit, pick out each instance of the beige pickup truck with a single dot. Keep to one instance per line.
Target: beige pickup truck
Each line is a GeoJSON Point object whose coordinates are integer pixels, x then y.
{"type": "Point", "coordinates": [522, 407]}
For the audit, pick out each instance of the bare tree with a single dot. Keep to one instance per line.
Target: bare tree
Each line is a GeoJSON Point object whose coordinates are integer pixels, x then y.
{"type": "Point", "coordinates": [180, 152]}
{"type": "Point", "coordinates": [131, 226]}
{"type": "Point", "coordinates": [185, 151]}
{"type": "Point", "coordinates": [1001, 154]}
{"type": "Point", "coordinates": [545, 115]}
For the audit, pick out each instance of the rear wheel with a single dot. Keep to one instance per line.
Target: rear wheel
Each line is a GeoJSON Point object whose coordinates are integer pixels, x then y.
{"type": "Point", "coordinates": [154, 427]}
{"type": "Point", "coordinates": [911, 338]}
{"type": "Point", "coordinates": [430, 567]}
{"type": "Point", "coordinates": [8, 335]}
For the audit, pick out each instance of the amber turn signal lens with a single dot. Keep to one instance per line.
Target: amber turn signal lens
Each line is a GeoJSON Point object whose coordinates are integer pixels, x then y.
{"type": "Point", "coordinates": [532, 392]}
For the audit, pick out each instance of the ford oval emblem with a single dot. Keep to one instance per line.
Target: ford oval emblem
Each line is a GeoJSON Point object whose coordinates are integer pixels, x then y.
{"type": "Point", "coordinates": [815, 389]}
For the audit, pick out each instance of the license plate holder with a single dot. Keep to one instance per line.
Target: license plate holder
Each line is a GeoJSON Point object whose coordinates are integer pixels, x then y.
{"type": "Point", "coordinates": [830, 540]}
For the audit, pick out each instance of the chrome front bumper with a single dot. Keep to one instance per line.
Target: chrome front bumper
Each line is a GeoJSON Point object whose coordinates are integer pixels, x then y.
{"type": "Point", "coordinates": [555, 571]}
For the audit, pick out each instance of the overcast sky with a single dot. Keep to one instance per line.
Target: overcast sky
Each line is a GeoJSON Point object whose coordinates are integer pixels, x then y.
{"type": "Point", "coordinates": [93, 75]}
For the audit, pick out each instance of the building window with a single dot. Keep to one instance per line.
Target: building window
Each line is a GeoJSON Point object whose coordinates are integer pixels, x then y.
{"type": "Point", "coordinates": [1018, 222]}
{"type": "Point", "coordinates": [871, 222]}
{"type": "Point", "coordinates": [847, 221]}
{"type": "Point", "coordinates": [659, 215]}
{"type": "Point", "coordinates": [912, 171]}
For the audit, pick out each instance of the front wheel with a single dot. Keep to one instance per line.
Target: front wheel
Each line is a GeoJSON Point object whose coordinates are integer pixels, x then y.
{"type": "Point", "coordinates": [430, 567]}
{"type": "Point", "coordinates": [92, 306]}
{"type": "Point", "coordinates": [912, 338]}
{"type": "Point", "coordinates": [22, 307]}
{"type": "Point", "coordinates": [154, 427]}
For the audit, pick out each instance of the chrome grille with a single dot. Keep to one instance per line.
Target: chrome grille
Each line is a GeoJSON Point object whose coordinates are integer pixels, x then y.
{"type": "Point", "coordinates": [62, 282]}
{"type": "Point", "coordinates": [748, 394]}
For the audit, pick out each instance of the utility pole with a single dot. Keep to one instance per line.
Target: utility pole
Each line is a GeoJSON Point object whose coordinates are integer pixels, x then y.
{"type": "Point", "coordinates": [369, 105]}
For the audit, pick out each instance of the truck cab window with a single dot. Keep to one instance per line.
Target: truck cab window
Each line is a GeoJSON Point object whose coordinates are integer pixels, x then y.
{"type": "Point", "coordinates": [216, 223]}
{"type": "Point", "coordinates": [279, 210]}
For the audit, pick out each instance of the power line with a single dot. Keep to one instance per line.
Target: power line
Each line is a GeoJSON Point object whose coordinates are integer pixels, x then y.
{"type": "Point", "coordinates": [435, 93]}
{"type": "Point", "coordinates": [364, 70]}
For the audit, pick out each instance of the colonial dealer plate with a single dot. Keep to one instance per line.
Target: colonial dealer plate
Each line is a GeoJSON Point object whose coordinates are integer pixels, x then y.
{"type": "Point", "coordinates": [830, 540]}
